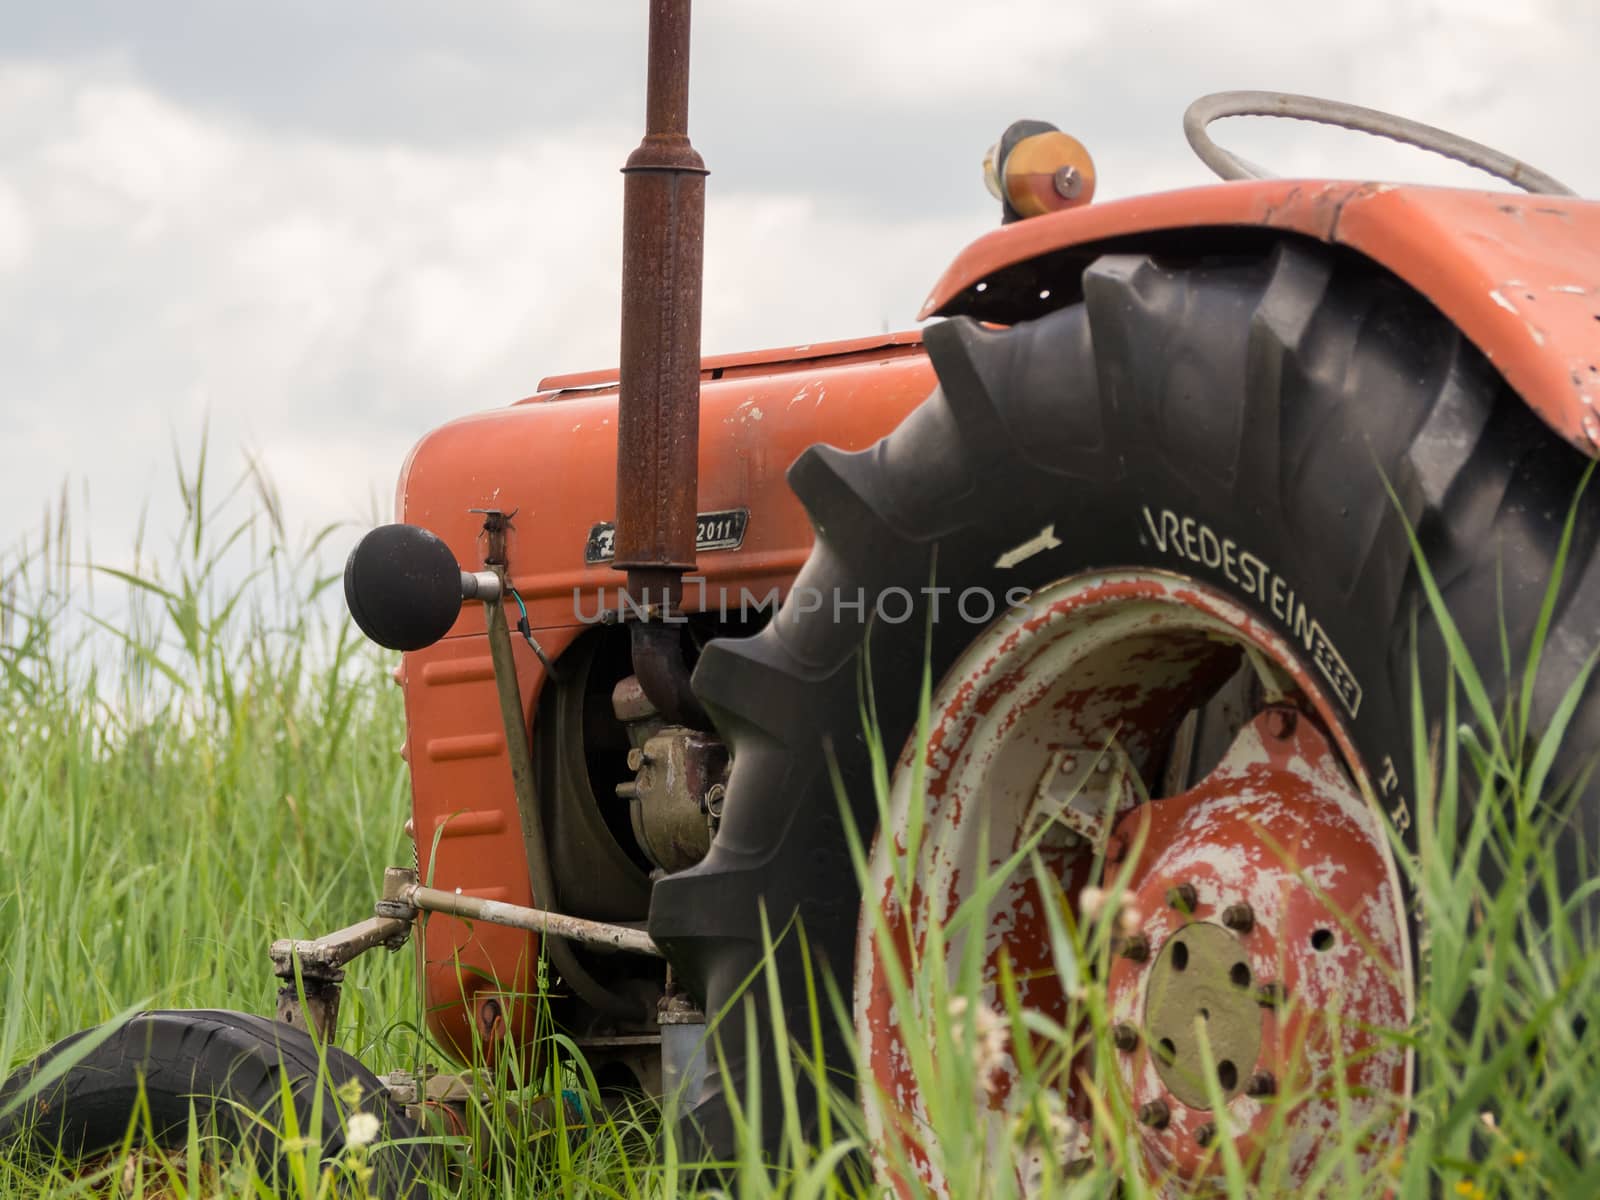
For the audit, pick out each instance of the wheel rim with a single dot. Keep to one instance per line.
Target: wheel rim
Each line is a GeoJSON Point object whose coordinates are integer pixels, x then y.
{"type": "Point", "coordinates": [1273, 862]}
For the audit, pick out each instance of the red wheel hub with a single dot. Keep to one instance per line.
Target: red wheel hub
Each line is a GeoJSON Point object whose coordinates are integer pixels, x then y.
{"type": "Point", "coordinates": [1264, 917]}
{"type": "Point", "coordinates": [1261, 927]}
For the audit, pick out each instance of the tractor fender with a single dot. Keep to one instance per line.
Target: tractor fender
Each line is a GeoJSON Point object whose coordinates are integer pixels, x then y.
{"type": "Point", "coordinates": [1519, 275]}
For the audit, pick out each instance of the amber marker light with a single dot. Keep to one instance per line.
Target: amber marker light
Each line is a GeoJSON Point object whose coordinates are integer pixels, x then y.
{"type": "Point", "coordinates": [1048, 172]}
{"type": "Point", "coordinates": [1035, 169]}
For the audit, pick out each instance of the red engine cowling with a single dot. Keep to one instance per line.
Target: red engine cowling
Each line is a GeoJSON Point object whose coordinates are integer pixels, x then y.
{"type": "Point", "coordinates": [551, 460]}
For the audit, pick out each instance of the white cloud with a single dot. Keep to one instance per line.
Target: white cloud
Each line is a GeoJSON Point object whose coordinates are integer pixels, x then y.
{"type": "Point", "coordinates": [326, 298]}
{"type": "Point", "coordinates": [932, 54]}
{"type": "Point", "coordinates": [15, 237]}
{"type": "Point", "coordinates": [326, 303]}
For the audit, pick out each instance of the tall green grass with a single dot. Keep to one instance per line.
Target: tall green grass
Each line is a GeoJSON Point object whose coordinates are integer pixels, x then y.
{"type": "Point", "coordinates": [200, 756]}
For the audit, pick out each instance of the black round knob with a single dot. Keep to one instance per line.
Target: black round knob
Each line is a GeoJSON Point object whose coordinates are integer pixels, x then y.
{"type": "Point", "coordinates": [403, 587]}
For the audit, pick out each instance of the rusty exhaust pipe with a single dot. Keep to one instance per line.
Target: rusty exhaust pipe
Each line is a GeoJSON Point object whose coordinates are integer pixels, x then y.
{"type": "Point", "coordinates": [658, 420]}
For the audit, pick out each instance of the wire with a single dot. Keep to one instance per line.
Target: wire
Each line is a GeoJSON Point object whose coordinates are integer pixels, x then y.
{"type": "Point", "coordinates": [526, 630]}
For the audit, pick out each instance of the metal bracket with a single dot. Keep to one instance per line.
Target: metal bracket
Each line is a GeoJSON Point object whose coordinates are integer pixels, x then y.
{"type": "Point", "coordinates": [1082, 793]}
{"type": "Point", "coordinates": [311, 971]}
{"type": "Point", "coordinates": [495, 524]}
{"type": "Point", "coordinates": [441, 1103]}
{"type": "Point", "coordinates": [600, 934]}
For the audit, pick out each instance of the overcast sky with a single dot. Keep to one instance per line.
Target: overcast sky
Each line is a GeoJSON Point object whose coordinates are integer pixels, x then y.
{"type": "Point", "coordinates": [333, 224]}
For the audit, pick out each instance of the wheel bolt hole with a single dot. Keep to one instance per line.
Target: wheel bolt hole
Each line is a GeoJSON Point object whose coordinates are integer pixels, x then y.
{"type": "Point", "coordinates": [1322, 940]}
{"type": "Point", "coordinates": [1240, 974]}
{"type": "Point", "coordinates": [1180, 956]}
{"type": "Point", "coordinates": [1227, 1075]}
{"type": "Point", "coordinates": [1167, 1051]}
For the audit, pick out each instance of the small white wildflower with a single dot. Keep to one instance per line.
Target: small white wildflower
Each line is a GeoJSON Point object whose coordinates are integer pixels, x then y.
{"type": "Point", "coordinates": [1129, 920]}
{"type": "Point", "coordinates": [992, 1038]}
{"type": "Point", "coordinates": [985, 1033]}
{"type": "Point", "coordinates": [1091, 903]}
{"type": "Point", "coordinates": [1094, 906]}
{"type": "Point", "coordinates": [363, 1130]}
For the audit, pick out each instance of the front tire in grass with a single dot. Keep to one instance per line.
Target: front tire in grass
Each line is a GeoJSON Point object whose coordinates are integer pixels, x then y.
{"type": "Point", "coordinates": [246, 1080]}
{"type": "Point", "coordinates": [1186, 471]}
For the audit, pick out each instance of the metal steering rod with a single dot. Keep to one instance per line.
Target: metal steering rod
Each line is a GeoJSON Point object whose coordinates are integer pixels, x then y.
{"type": "Point", "coordinates": [1349, 116]}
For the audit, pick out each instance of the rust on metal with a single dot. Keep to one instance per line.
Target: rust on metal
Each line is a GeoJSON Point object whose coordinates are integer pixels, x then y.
{"type": "Point", "coordinates": [536, 920]}
{"type": "Point", "coordinates": [662, 248]}
{"type": "Point", "coordinates": [1239, 917]}
{"type": "Point", "coordinates": [675, 770]}
{"type": "Point", "coordinates": [1261, 1083]}
{"type": "Point", "coordinates": [496, 524]}
{"type": "Point", "coordinates": [1280, 722]}
{"type": "Point", "coordinates": [658, 405]}
{"type": "Point", "coordinates": [1277, 825]}
{"type": "Point", "coordinates": [311, 971]}
{"type": "Point", "coordinates": [1155, 1114]}
{"type": "Point", "coordinates": [312, 1006]}
{"type": "Point", "coordinates": [1277, 833]}
{"type": "Point", "coordinates": [658, 660]}
{"type": "Point", "coordinates": [1183, 897]}
{"type": "Point", "coordinates": [324, 957]}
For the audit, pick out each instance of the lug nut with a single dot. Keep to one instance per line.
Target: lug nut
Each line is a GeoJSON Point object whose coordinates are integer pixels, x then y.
{"type": "Point", "coordinates": [1154, 1114]}
{"type": "Point", "coordinates": [1205, 1135]}
{"type": "Point", "coordinates": [1125, 1038]}
{"type": "Point", "coordinates": [1270, 995]}
{"type": "Point", "coordinates": [1281, 722]}
{"type": "Point", "coordinates": [1239, 918]}
{"type": "Point", "coordinates": [1135, 947]}
{"type": "Point", "coordinates": [1183, 897]}
{"type": "Point", "coordinates": [1260, 1083]}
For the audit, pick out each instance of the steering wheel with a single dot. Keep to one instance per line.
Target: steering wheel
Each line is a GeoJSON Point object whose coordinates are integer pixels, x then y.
{"type": "Point", "coordinates": [1349, 116]}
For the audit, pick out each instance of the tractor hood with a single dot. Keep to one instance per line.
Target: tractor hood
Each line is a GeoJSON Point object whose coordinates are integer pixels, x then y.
{"type": "Point", "coordinates": [550, 461]}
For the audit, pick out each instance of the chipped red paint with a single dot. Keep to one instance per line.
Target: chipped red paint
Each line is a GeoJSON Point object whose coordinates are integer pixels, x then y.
{"type": "Point", "coordinates": [1125, 654]}
{"type": "Point", "coordinates": [1279, 826]}
{"type": "Point", "coordinates": [1520, 275]}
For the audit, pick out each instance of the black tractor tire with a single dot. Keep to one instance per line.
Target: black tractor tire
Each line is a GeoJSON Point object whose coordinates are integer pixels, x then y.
{"type": "Point", "coordinates": [1265, 399]}
{"type": "Point", "coordinates": [230, 1067]}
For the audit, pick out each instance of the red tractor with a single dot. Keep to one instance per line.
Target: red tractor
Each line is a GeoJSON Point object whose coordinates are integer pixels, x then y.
{"type": "Point", "coordinates": [1141, 503]}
